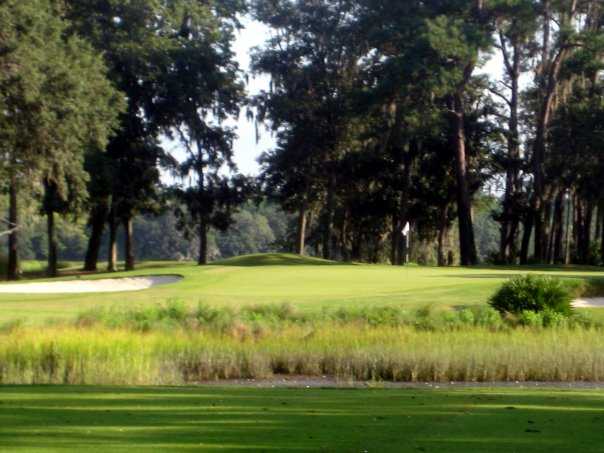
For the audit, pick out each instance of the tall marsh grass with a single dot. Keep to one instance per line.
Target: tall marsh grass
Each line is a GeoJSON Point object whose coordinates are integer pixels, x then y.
{"type": "Point", "coordinates": [350, 351]}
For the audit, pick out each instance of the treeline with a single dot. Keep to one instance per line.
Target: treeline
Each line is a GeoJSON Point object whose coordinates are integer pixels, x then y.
{"type": "Point", "coordinates": [87, 91]}
{"type": "Point", "coordinates": [255, 229]}
{"type": "Point", "coordinates": [382, 117]}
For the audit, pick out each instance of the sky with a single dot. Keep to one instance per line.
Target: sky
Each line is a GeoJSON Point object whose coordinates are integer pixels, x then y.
{"type": "Point", "coordinates": [247, 149]}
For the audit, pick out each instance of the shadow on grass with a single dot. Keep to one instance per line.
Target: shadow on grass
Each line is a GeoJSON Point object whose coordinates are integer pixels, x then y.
{"type": "Point", "coordinates": [239, 419]}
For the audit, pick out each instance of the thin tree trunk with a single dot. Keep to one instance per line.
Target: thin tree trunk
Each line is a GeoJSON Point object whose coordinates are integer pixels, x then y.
{"type": "Point", "coordinates": [53, 267]}
{"type": "Point", "coordinates": [328, 218]}
{"type": "Point", "coordinates": [129, 244]}
{"type": "Point", "coordinates": [577, 215]}
{"type": "Point", "coordinates": [548, 231]}
{"type": "Point", "coordinates": [549, 73]}
{"type": "Point", "coordinates": [301, 239]}
{"type": "Point", "coordinates": [395, 240]}
{"type": "Point", "coordinates": [13, 239]}
{"type": "Point", "coordinates": [50, 196]}
{"type": "Point", "coordinates": [356, 249]}
{"type": "Point", "coordinates": [98, 217]}
{"type": "Point", "coordinates": [464, 205]}
{"type": "Point", "coordinates": [112, 251]}
{"type": "Point", "coordinates": [559, 216]}
{"type": "Point", "coordinates": [203, 243]}
{"type": "Point", "coordinates": [509, 223]}
{"type": "Point", "coordinates": [343, 240]}
{"type": "Point", "coordinates": [569, 216]}
{"type": "Point", "coordinates": [442, 234]}
{"type": "Point", "coordinates": [587, 226]}
{"type": "Point", "coordinates": [602, 241]}
{"type": "Point", "coordinates": [599, 219]}
{"type": "Point", "coordinates": [526, 238]}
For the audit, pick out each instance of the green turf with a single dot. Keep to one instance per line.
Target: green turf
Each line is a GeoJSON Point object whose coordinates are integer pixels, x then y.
{"type": "Point", "coordinates": [255, 420]}
{"type": "Point", "coordinates": [309, 284]}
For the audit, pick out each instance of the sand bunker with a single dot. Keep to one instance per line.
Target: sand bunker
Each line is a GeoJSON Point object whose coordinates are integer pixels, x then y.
{"type": "Point", "coordinates": [113, 285]}
{"type": "Point", "coordinates": [595, 302]}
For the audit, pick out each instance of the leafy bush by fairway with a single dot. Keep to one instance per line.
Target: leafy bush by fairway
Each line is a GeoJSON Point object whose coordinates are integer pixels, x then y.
{"type": "Point", "coordinates": [533, 294]}
{"type": "Point", "coordinates": [175, 314]}
{"type": "Point", "coordinates": [259, 319]}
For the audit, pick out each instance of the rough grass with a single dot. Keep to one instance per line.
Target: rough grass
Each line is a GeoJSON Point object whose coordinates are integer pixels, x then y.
{"type": "Point", "coordinates": [171, 355]}
{"type": "Point", "coordinates": [308, 284]}
{"type": "Point", "coordinates": [237, 419]}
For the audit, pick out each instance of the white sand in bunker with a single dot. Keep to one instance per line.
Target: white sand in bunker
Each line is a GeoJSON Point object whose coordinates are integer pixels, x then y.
{"type": "Point", "coordinates": [594, 302]}
{"type": "Point", "coordinates": [112, 285]}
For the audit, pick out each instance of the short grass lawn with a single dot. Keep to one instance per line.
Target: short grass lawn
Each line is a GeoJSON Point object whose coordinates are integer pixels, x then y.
{"type": "Point", "coordinates": [308, 284]}
{"type": "Point", "coordinates": [280, 420]}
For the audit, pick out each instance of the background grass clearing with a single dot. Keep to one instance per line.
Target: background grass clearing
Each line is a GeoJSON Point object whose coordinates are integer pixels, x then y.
{"type": "Point", "coordinates": [307, 284]}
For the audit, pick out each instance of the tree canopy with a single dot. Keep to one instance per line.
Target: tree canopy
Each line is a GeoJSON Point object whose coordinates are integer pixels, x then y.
{"type": "Point", "coordinates": [403, 130]}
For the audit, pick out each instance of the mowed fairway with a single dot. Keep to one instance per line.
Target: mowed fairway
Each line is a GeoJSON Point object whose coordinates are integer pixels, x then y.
{"type": "Point", "coordinates": [256, 420]}
{"type": "Point", "coordinates": [307, 284]}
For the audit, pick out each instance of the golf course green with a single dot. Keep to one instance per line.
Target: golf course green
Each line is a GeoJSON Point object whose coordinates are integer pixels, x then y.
{"type": "Point", "coordinates": [305, 283]}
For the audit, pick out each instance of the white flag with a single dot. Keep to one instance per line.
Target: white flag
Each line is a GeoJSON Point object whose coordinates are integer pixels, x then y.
{"type": "Point", "coordinates": [406, 229]}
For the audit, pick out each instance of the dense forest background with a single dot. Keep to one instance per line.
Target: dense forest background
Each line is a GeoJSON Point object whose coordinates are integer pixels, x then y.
{"type": "Point", "coordinates": [256, 228]}
{"type": "Point", "coordinates": [392, 143]}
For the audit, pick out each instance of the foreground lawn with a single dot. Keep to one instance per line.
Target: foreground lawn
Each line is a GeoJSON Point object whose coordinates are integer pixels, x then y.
{"type": "Point", "coordinates": [305, 283]}
{"type": "Point", "coordinates": [241, 419]}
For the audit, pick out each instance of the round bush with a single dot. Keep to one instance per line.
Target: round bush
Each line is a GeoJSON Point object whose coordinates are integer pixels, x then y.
{"type": "Point", "coordinates": [531, 293]}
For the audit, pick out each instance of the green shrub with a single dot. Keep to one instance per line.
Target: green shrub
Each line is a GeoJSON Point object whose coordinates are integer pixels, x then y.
{"type": "Point", "coordinates": [466, 317]}
{"type": "Point", "coordinates": [534, 294]}
{"type": "Point", "coordinates": [485, 316]}
{"type": "Point", "coordinates": [531, 318]}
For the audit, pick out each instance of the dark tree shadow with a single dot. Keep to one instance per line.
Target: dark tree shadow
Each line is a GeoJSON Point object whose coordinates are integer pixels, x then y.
{"type": "Point", "coordinates": [240, 419]}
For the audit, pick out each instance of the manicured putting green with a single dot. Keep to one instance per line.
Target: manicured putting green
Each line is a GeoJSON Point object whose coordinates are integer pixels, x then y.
{"type": "Point", "coordinates": [281, 420]}
{"type": "Point", "coordinates": [309, 284]}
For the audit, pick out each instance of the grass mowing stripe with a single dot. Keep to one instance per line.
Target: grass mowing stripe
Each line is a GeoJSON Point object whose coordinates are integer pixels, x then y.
{"type": "Point", "coordinates": [244, 419]}
{"type": "Point", "coordinates": [275, 279]}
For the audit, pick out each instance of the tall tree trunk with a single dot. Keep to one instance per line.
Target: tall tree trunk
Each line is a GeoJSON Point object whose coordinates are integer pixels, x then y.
{"type": "Point", "coordinates": [301, 233]}
{"type": "Point", "coordinates": [356, 248]}
{"type": "Point", "coordinates": [549, 72]}
{"type": "Point", "coordinates": [464, 205]}
{"type": "Point", "coordinates": [599, 219]}
{"type": "Point", "coordinates": [559, 216]}
{"type": "Point", "coordinates": [98, 217]}
{"type": "Point", "coordinates": [329, 217]}
{"type": "Point", "coordinates": [510, 220]}
{"type": "Point", "coordinates": [548, 230]}
{"type": "Point", "coordinates": [13, 239]}
{"type": "Point", "coordinates": [526, 238]}
{"type": "Point", "coordinates": [395, 240]}
{"type": "Point", "coordinates": [586, 236]}
{"type": "Point", "coordinates": [50, 198]}
{"type": "Point", "coordinates": [602, 241]}
{"type": "Point", "coordinates": [577, 215]}
{"type": "Point", "coordinates": [112, 250]}
{"type": "Point", "coordinates": [343, 238]}
{"type": "Point", "coordinates": [443, 230]}
{"type": "Point", "coordinates": [129, 244]}
{"type": "Point", "coordinates": [203, 242]}
{"type": "Point", "coordinates": [567, 233]}
{"type": "Point", "coordinates": [53, 268]}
